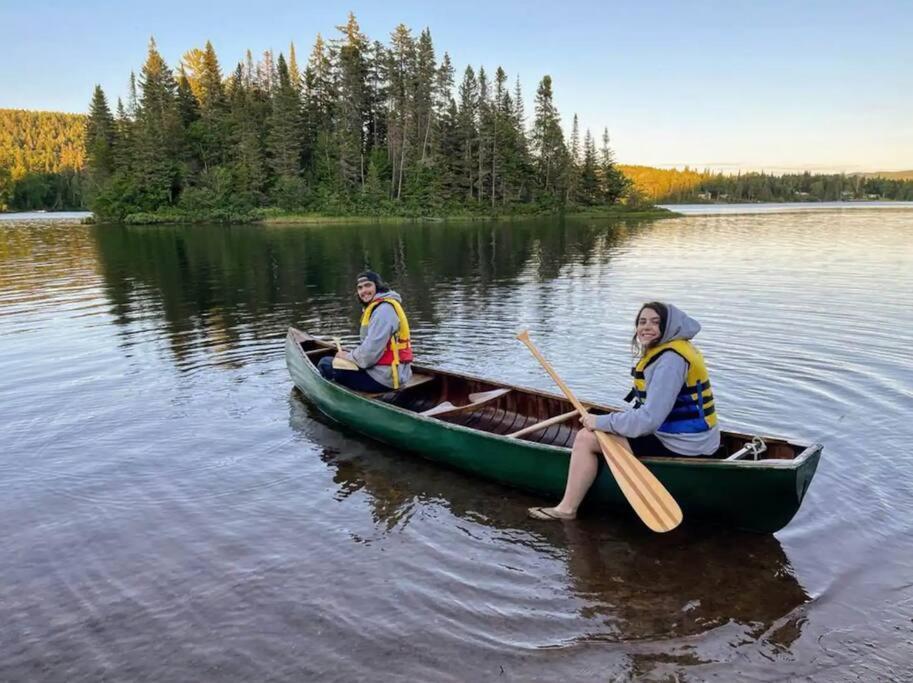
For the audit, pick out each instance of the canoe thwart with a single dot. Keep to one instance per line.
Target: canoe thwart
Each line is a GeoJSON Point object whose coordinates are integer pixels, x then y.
{"type": "Point", "coordinates": [416, 380]}
{"type": "Point", "coordinates": [542, 425]}
{"type": "Point", "coordinates": [439, 408]}
{"type": "Point", "coordinates": [475, 401]}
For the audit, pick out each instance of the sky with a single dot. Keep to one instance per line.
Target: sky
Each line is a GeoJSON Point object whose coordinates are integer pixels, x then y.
{"type": "Point", "coordinates": [731, 85]}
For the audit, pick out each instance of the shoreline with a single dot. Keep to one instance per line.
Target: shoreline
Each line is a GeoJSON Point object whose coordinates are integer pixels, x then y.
{"type": "Point", "coordinates": [275, 217]}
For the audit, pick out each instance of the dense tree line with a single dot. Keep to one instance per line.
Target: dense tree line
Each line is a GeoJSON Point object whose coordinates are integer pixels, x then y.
{"type": "Point", "coordinates": [361, 127]}
{"type": "Point", "coordinates": [41, 157]}
{"type": "Point", "coordinates": [687, 185]}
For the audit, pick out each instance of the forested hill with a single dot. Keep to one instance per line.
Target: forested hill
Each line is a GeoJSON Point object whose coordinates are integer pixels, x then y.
{"type": "Point", "coordinates": [40, 141]}
{"type": "Point", "coordinates": [687, 185]}
{"type": "Point", "coordinates": [41, 157]}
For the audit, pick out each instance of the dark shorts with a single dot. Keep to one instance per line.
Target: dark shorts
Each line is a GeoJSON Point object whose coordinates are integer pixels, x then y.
{"type": "Point", "coordinates": [651, 445]}
{"type": "Point", "coordinates": [359, 380]}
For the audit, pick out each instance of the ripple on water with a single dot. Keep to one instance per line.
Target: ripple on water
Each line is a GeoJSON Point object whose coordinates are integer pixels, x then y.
{"type": "Point", "coordinates": [163, 490]}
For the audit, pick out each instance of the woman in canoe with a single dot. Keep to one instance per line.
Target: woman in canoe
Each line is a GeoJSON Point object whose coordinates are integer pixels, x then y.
{"type": "Point", "coordinates": [673, 412]}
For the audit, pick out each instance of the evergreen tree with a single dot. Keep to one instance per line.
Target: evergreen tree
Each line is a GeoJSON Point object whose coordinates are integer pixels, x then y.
{"type": "Point", "coordinates": [354, 114]}
{"type": "Point", "coordinates": [159, 134]}
{"type": "Point", "coordinates": [284, 141]}
{"type": "Point", "coordinates": [468, 113]}
{"type": "Point", "coordinates": [573, 166]}
{"type": "Point", "coordinates": [248, 115]}
{"type": "Point", "coordinates": [614, 183]}
{"type": "Point", "coordinates": [548, 140]}
{"type": "Point", "coordinates": [589, 181]}
{"type": "Point", "coordinates": [401, 136]}
{"type": "Point", "coordinates": [293, 73]}
{"type": "Point", "coordinates": [99, 139]}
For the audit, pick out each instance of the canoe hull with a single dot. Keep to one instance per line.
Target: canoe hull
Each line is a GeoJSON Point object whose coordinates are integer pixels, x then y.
{"type": "Point", "coordinates": [759, 496]}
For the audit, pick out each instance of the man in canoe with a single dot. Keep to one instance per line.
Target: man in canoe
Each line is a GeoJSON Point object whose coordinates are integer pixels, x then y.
{"type": "Point", "coordinates": [673, 412]}
{"type": "Point", "coordinates": [383, 359]}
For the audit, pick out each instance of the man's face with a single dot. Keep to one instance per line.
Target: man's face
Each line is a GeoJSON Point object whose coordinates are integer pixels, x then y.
{"type": "Point", "coordinates": [366, 291]}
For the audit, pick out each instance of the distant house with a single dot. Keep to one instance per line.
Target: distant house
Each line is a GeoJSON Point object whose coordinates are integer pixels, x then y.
{"type": "Point", "coordinates": [705, 195]}
{"type": "Point", "coordinates": [873, 196]}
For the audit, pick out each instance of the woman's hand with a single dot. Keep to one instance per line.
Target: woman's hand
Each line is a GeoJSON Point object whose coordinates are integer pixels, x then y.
{"type": "Point", "coordinates": [588, 422]}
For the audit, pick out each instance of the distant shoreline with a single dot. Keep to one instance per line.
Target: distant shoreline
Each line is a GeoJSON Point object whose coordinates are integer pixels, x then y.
{"type": "Point", "coordinates": [277, 218]}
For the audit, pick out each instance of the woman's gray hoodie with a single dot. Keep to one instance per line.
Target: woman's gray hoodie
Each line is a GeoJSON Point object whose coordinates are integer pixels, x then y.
{"type": "Point", "coordinates": [374, 337]}
{"type": "Point", "coordinates": [664, 378]}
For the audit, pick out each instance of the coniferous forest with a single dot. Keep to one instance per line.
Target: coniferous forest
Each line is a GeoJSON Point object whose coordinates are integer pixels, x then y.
{"type": "Point", "coordinates": [41, 160]}
{"type": "Point", "coordinates": [359, 127]}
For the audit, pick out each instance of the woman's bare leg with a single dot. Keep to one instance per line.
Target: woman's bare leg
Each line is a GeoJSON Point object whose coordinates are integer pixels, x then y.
{"type": "Point", "coordinates": [581, 472]}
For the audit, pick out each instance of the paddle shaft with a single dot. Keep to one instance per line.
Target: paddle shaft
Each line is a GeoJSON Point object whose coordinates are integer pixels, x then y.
{"type": "Point", "coordinates": [554, 375]}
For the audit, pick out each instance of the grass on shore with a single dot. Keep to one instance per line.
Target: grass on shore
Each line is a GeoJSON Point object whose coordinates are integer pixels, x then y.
{"type": "Point", "coordinates": [274, 216]}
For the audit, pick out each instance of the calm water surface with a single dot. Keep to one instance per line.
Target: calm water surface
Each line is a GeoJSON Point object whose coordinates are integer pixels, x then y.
{"type": "Point", "coordinates": [171, 509]}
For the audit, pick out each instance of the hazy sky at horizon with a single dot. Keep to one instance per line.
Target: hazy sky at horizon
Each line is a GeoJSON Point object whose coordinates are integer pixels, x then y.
{"type": "Point", "coordinates": [725, 85]}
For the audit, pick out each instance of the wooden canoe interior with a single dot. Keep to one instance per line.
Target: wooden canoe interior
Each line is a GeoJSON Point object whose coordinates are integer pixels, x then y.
{"type": "Point", "coordinates": [474, 403]}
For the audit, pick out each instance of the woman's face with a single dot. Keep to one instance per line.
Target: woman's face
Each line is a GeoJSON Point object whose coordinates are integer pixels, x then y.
{"type": "Point", "coordinates": [647, 330]}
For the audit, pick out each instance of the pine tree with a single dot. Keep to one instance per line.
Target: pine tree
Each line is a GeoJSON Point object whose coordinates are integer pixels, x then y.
{"type": "Point", "coordinates": [614, 183]}
{"type": "Point", "coordinates": [248, 155]}
{"type": "Point", "coordinates": [284, 141]}
{"type": "Point", "coordinates": [188, 107]}
{"type": "Point", "coordinates": [573, 166]}
{"type": "Point", "coordinates": [588, 191]}
{"type": "Point", "coordinates": [469, 93]}
{"type": "Point", "coordinates": [159, 134]}
{"type": "Point", "coordinates": [484, 133]}
{"type": "Point", "coordinates": [293, 73]}
{"type": "Point", "coordinates": [548, 140]}
{"type": "Point", "coordinates": [99, 141]}
{"type": "Point", "coordinates": [401, 137]}
{"type": "Point", "coordinates": [353, 116]}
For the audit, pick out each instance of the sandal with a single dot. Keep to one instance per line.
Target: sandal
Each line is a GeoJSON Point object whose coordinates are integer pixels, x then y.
{"type": "Point", "coordinates": [548, 514]}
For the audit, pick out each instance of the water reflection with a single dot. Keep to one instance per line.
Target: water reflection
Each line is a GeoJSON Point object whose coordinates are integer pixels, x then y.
{"type": "Point", "coordinates": [630, 585]}
{"type": "Point", "coordinates": [216, 280]}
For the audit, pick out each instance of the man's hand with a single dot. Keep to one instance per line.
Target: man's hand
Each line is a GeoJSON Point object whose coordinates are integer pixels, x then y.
{"type": "Point", "coordinates": [343, 354]}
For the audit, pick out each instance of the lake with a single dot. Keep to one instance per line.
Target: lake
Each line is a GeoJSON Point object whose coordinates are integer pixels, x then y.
{"type": "Point", "coordinates": [172, 509]}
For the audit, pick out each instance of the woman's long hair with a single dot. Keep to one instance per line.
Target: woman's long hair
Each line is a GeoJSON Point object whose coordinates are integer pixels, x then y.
{"type": "Point", "coordinates": [636, 349]}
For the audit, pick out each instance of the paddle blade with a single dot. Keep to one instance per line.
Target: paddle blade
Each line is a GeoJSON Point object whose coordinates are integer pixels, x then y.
{"type": "Point", "coordinates": [649, 498]}
{"type": "Point", "coordinates": [344, 364]}
{"type": "Point", "coordinates": [523, 336]}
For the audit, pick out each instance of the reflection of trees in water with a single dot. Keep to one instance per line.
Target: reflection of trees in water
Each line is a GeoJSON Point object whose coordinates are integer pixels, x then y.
{"type": "Point", "coordinates": [639, 585]}
{"type": "Point", "coordinates": [208, 279]}
{"type": "Point", "coordinates": [35, 257]}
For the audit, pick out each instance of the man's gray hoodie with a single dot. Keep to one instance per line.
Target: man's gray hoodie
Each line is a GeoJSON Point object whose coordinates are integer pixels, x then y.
{"type": "Point", "coordinates": [374, 337]}
{"type": "Point", "coordinates": [664, 378]}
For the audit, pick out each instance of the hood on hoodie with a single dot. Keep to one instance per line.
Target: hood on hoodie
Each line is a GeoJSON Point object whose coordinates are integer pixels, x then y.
{"type": "Point", "coordinates": [679, 325]}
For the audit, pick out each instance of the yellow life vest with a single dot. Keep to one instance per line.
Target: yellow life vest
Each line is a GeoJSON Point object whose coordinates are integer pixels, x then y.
{"type": "Point", "coordinates": [694, 409]}
{"type": "Point", "coordinates": [399, 347]}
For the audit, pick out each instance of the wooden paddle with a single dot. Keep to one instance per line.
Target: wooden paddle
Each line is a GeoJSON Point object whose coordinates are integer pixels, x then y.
{"type": "Point", "coordinates": [649, 498]}
{"type": "Point", "coordinates": [342, 363]}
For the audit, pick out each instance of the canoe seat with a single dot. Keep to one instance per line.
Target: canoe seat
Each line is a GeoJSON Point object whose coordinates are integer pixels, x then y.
{"type": "Point", "coordinates": [416, 380]}
{"type": "Point", "coordinates": [475, 400]}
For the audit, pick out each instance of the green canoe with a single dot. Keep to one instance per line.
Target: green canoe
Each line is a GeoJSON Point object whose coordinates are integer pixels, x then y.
{"type": "Point", "coordinates": [522, 437]}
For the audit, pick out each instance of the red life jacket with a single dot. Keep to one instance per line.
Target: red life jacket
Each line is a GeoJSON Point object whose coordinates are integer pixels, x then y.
{"type": "Point", "coordinates": [399, 346]}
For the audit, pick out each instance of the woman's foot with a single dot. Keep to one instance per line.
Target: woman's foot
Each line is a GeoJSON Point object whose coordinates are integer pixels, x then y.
{"type": "Point", "coordinates": [549, 514]}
